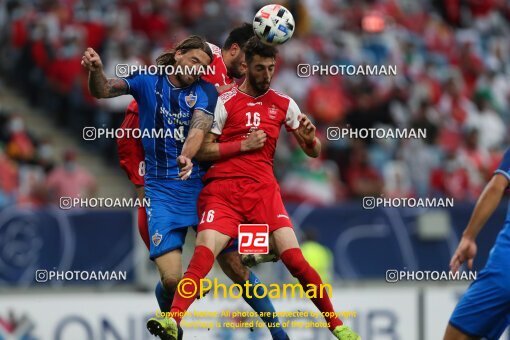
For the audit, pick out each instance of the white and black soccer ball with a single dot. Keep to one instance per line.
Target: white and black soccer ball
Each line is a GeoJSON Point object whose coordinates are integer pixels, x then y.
{"type": "Point", "coordinates": [273, 24]}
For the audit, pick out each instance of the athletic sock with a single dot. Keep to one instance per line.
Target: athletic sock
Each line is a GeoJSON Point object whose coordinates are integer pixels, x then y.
{"type": "Point", "coordinates": [264, 305]}
{"type": "Point", "coordinates": [199, 266]}
{"type": "Point", "coordinates": [164, 299]}
{"type": "Point", "coordinates": [300, 268]}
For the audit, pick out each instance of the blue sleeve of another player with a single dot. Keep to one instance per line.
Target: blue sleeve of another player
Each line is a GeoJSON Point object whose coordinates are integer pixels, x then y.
{"type": "Point", "coordinates": [207, 98]}
{"type": "Point", "coordinates": [504, 166]}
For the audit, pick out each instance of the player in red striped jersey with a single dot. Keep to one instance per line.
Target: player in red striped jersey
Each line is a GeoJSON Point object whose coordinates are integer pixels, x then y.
{"type": "Point", "coordinates": [241, 187]}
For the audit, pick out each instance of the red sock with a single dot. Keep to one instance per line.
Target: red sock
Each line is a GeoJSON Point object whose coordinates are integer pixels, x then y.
{"type": "Point", "coordinates": [200, 264]}
{"type": "Point", "coordinates": [301, 269]}
{"type": "Point", "coordinates": [143, 227]}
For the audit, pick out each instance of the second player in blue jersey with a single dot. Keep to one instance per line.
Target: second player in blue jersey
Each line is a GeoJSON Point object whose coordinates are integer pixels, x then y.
{"type": "Point", "coordinates": [484, 310]}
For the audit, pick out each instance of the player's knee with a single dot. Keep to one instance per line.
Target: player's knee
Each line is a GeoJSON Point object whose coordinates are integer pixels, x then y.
{"type": "Point", "coordinates": [294, 261]}
{"type": "Point", "coordinates": [170, 284]}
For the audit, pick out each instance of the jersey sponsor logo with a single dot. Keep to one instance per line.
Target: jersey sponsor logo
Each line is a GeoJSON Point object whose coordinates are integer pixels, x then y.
{"type": "Point", "coordinates": [190, 99]}
{"type": "Point", "coordinates": [253, 239]}
{"type": "Point", "coordinates": [156, 238]}
{"type": "Point", "coordinates": [253, 104]}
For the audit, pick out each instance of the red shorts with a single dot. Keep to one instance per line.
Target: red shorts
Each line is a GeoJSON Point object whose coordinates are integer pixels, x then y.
{"type": "Point", "coordinates": [131, 155]}
{"type": "Point", "coordinates": [225, 203]}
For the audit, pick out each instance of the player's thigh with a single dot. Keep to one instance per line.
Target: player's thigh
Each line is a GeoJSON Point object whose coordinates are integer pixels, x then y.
{"type": "Point", "coordinates": [212, 239]}
{"type": "Point", "coordinates": [268, 208]}
{"type": "Point", "coordinates": [453, 333]}
{"type": "Point", "coordinates": [284, 239]}
{"type": "Point", "coordinates": [170, 267]}
{"type": "Point", "coordinates": [230, 263]}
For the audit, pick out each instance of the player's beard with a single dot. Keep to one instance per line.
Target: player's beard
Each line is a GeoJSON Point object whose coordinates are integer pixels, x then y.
{"type": "Point", "coordinates": [236, 73]}
{"type": "Point", "coordinates": [186, 80]}
{"type": "Point", "coordinates": [236, 69]}
{"type": "Point", "coordinates": [259, 86]}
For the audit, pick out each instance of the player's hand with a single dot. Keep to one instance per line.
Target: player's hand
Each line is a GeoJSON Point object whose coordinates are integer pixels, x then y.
{"type": "Point", "coordinates": [91, 60]}
{"type": "Point", "coordinates": [466, 251]}
{"type": "Point", "coordinates": [254, 141]}
{"type": "Point", "coordinates": [306, 129]}
{"type": "Point", "coordinates": [224, 88]}
{"type": "Point", "coordinates": [185, 166]}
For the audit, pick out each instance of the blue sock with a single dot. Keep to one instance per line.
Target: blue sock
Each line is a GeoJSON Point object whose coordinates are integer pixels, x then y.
{"type": "Point", "coordinates": [164, 299]}
{"type": "Point", "coordinates": [264, 305]}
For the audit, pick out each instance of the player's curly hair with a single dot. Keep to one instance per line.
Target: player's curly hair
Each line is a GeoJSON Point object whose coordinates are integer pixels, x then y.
{"type": "Point", "coordinates": [256, 47]}
{"type": "Point", "coordinates": [192, 42]}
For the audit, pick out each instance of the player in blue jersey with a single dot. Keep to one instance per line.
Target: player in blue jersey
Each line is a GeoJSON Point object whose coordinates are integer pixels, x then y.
{"type": "Point", "coordinates": [484, 310]}
{"type": "Point", "coordinates": [182, 106]}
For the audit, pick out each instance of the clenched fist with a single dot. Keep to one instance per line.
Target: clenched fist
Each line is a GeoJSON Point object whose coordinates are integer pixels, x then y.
{"type": "Point", "coordinates": [254, 141]}
{"type": "Point", "coordinates": [91, 60]}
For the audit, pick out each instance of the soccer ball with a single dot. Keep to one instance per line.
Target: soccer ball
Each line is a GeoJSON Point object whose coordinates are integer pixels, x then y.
{"type": "Point", "coordinates": [273, 24]}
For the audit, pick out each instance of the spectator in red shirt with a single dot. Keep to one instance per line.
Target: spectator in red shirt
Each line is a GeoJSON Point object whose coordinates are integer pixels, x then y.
{"type": "Point", "coordinates": [19, 146]}
{"type": "Point", "coordinates": [451, 179]}
{"type": "Point", "coordinates": [362, 179]}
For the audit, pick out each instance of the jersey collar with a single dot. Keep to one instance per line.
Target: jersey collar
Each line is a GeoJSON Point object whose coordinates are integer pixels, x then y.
{"type": "Point", "coordinates": [246, 94]}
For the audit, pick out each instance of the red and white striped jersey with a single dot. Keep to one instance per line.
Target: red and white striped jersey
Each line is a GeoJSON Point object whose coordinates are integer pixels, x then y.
{"type": "Point", "coordinates": [236, 115]}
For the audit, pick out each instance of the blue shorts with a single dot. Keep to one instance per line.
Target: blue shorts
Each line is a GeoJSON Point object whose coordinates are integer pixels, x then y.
{"type": "Point", "coordinates": [173, 208]}
{"type": "Point", "coordinates": [484, 310]}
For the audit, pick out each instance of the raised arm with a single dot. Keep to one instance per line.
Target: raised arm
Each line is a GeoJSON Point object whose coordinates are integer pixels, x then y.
{"type": "Point", "coordinates": [305, 136]}
{"type": "Point", "coordinates": [485, 206]}
{"type": "Point", "coordinates": [99, 85]}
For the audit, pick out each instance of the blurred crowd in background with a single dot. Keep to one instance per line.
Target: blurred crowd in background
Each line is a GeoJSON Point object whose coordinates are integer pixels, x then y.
{"type": "Point", "coordinates": [452, 59]}
{"type": "Point", "coordinates": [31, 174]}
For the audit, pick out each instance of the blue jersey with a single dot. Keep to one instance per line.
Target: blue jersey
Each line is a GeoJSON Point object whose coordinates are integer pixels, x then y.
{"type": "Point", "coordinates": [500, 253]}
{"type": "Point", "coordinates": [165, 113]}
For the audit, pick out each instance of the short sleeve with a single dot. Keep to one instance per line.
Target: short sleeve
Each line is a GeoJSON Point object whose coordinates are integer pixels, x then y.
{"type": "Point", "coordinates": [504, 166]}
{"type": "Point", "coordinates": [135, 84]}
{"type": "Point", "coordinates": [207, 98]}
{"type": "Point", "coordinates": [220, 117]}
{"type": "Point", "coordinates": [291, 118]}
